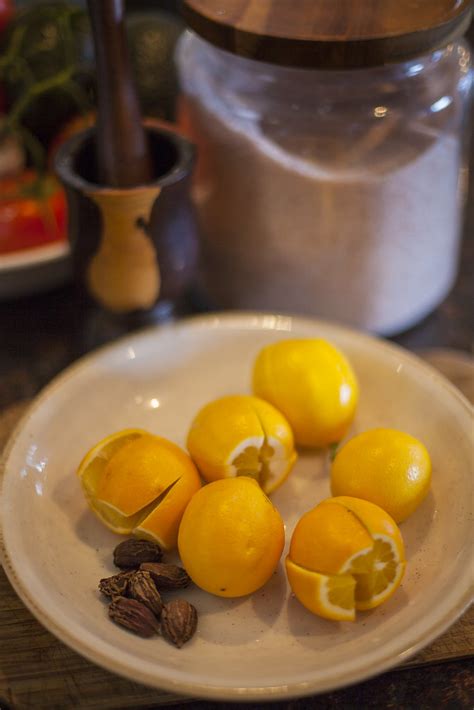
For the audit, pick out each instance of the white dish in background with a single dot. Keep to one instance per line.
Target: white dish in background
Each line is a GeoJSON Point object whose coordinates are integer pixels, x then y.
{"type": "Point", "coordinates": [30, 271]}
{"type": "Point", "coordinates": [266, 646]}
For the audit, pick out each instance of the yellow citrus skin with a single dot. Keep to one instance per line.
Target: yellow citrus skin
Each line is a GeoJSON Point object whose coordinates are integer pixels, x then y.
{"type": "Point", "coordinates": [140, 472]}
{"type": "Point", "coordinates": [312, 384]}
{"type": "Point", "coordinates": [100, 454]}
{"type": "Point", "coordinates": [231, 537]}
{"type": "Point", "coordinates": [385, 466]}
{"type": "Point", "coordinates": [241, 435]}
{"type": "Point", "coordinates": [345, 554]}
{"type": "Point", "coordinates": [162, 524]}
{"type": "Point", "coordinates": [327, 536]}
{"type": "Point", "coordinates": [375, 520]}
{"type": "Point", "coordinates": [139, 484]}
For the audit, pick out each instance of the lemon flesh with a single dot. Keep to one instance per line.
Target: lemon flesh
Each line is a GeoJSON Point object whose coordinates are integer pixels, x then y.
{"type": "Point", "coordinates": [377, 576]}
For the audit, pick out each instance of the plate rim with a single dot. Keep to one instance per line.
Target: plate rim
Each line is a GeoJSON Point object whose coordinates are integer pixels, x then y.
{"type": "Point", "coordinates": [230, 319]}
{"type": "Point", "coordinates": [35, 256]}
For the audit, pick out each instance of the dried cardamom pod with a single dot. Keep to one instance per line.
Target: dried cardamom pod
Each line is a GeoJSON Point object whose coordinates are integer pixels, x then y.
{"type": "Point", "coordinates": [134, 616]}
{"type": "Point", "coordinates": [131, 553]}
{"type": "Point", "coordinates": [115, 586]}
{"type": "Point", "coordinates": [166, 577]}
{"type": "Point", "coordinates": [178, 621]}
{"type": "Point", "coordinates": [142, 588]}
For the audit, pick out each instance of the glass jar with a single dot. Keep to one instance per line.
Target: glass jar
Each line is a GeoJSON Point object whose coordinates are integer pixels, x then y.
{"type": "Point", "coordinates": [330, 192]}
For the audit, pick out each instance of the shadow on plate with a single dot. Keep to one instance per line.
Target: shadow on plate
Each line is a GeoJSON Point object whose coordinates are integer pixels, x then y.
{"type": "Point", "coordinates": [305, 626]}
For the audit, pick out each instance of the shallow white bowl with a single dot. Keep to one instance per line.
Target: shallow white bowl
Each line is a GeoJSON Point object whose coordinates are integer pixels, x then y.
{"type": "Point", "coordinates": [33, 270]}
{"type": "Point", "coordinates": [266, 646]}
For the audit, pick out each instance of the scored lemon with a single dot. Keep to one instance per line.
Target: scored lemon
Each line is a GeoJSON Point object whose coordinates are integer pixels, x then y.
{"type": "Point", "coordinates": [241, 435]}
{"type": "Point", "coordinates": [231, 537]}
{"type": "Point", "coordinates": [138, 483]}
{"type": "Point", "coordinates": [345, 554]}
{"type": "Point", "coordinates": [385, 466]}
{"type": "Point", "coordinates": [312, 384]}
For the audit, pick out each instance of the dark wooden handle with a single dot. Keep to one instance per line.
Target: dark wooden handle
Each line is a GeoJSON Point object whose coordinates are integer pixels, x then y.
{"type": "Point", "coordinates": [122, 148]}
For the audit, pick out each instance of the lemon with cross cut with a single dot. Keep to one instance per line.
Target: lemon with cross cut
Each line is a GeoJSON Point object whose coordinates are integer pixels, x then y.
{"type": "Point", "coordinates": [139, 484]}
{"type": "Point", "coordinates": [242, 435]}
{"type": "Point", "coordinates": [346, 554]}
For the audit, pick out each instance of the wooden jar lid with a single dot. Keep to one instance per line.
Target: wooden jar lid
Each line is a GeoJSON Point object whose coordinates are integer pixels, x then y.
{"type": "Point", "coordinates": [330, 34]}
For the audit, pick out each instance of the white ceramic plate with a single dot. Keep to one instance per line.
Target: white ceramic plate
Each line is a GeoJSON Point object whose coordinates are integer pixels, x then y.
{"type": "Point", "coordinates": [32, 270]}
{"type": "Point", "coordinates": [266, 646]}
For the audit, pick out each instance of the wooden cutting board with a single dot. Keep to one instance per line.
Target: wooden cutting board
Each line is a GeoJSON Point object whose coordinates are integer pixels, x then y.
{"type": "Point", "coordinates": [37, 670]}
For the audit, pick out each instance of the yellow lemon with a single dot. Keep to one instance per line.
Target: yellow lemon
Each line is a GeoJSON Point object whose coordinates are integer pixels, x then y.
{"type": "Point", "coordinates": [241, 435]}
{"type": "Point", "coordinates": [345, 554]}
{"type": "Point", "coordinates": [139, 484]}
{"type": "Point", "coordinates": [385, 466]}
{"type": "Point", "coordinates": [312, 384]}
{"type": "Point", "coordinates": [231, 537]}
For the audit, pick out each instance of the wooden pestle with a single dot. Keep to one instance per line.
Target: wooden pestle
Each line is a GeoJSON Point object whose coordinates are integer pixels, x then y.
{"type": "Point", "coordinates": [123, 153]}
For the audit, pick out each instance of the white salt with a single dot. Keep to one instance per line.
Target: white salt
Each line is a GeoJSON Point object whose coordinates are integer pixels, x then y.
{"type": "Point", "coordinates": [375, 247]}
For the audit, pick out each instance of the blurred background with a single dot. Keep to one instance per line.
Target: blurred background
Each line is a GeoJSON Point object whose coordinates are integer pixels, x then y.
{"type": "Point", "coordinates": [49, 43]}
{"type": "Point", "coordinates": [47, 93]}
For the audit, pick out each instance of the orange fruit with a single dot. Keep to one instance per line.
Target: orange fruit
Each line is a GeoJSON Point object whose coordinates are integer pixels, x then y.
{"type": "Point", "coordinates": [385, 466]}
{"type": "Point", "coordinates": [241, 435]}
{"type": "Point", "coordinates": [312, 384]}
{"type": "Point", "coordinates": [345, 554]}
{"type": "Point", "coordinates": [139, 484]}
{"type": "Point", "coordinates": [231, 537]}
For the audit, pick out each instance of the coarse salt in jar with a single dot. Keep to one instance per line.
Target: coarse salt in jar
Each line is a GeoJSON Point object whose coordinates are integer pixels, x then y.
{"type": "Point", "coordinates": [332, 155]}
